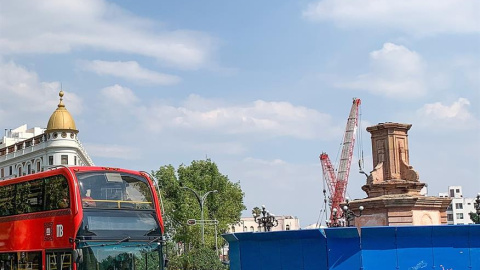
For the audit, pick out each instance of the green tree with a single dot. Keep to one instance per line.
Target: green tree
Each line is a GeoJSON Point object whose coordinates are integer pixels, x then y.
{"type": "Point", "coordinates": [199, 259]}
{"type": "Point", "coordinates": [474, 217]}
{"type": "Point", "coordinates": [256, 211]}
{"type": "Point", "coordinates": [180, 204]}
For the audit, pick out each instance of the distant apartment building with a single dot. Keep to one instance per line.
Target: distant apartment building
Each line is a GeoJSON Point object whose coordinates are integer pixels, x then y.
{"type": "Point", "coordinates": [248, 224]}
{"type": "Point", "coordinates": [25, 151]}
{"type": "Point", "coordinates": [460, 207]}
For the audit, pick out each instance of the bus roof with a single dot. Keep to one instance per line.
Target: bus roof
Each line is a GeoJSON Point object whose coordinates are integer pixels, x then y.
{"type": "Point", "coordinates": [64, 170]}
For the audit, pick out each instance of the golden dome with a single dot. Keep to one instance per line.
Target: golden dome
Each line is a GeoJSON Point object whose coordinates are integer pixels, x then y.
{"type": "Point", "coordinates": [61, 120]}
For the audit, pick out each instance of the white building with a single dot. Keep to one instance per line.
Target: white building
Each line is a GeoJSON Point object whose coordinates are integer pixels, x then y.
{"type": "Point", "coordinates": [248, 224]}
{"type": "Point", "coordinates": [24, 151]}
{"type": "Point", "coordinates": [460, 207]}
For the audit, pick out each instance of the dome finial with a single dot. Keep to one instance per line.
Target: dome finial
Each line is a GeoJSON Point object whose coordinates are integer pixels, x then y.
{"type": "Point", "coordinates": [61, 99]}
{"type": "Point", "coordinates": [61, 120]}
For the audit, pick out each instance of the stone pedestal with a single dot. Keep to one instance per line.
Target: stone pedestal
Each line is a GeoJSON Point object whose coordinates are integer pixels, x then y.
{"type": "Point", "coordinates": [393, 187]}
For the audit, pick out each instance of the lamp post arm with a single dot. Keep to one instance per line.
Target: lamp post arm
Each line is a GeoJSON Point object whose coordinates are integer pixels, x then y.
{"type": "Point", "coordinates": [196, 195]}
{"type": "Point", "coordinates": [205, 196]}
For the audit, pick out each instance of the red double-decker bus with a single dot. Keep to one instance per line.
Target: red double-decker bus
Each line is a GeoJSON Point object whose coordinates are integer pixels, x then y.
{"type": "Point", "coordinates": [85, 218]}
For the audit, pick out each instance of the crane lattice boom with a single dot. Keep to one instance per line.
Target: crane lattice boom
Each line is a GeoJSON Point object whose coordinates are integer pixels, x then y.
{"type": "Point", "coordinates": [337, 184]}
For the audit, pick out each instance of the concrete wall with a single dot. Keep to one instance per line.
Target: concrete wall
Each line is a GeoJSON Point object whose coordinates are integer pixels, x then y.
{"type": "Point", "coordinates": [378, 248]}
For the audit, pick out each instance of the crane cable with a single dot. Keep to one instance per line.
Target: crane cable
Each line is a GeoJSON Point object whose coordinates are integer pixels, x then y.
{"type": "Point", "coordinates": [323, 208]}
{"type": "Point", "coordinates": [360, 139]}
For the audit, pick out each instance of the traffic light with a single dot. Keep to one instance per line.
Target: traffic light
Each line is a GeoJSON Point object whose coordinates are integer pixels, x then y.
{"type": "Point", "coordinates": [191, 222]}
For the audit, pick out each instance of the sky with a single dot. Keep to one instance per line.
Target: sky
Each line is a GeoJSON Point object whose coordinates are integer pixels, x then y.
{"type": "Point", "coordinates": [261, 88]}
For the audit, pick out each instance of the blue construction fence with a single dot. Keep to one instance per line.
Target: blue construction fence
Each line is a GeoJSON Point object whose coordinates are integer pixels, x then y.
{"type": "Point", "coordinates": [453, 247]}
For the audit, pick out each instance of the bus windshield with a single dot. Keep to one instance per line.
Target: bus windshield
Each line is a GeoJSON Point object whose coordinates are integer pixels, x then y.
{"type": "Point", "coordinates": [128, 255]}
{"type": "Point", "coordinates": [114, 190]}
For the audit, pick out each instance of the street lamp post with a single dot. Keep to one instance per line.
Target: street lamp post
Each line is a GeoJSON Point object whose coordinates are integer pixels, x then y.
{"type": "Point", "coordinates": [266, 220]}
{"type": "Point", "coordinates": [347, 216]}
{"type": "Point", "coordinates": [201, 201]}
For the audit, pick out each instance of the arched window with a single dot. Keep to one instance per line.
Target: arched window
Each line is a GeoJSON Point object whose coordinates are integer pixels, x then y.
{"type": "Point", "coordinates": [244, 228]}
{"type": "Point", "coordinates": [252, 229]}
{"type": "Point", "coordinates": [287, 227]}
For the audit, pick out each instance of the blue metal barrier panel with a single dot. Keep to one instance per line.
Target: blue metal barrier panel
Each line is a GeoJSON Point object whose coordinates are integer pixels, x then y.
{"type": "Point", "coordinates": [450, 247]}
{"type": "Point", "coordinates": [343, 248]}
{"type": "Point", "coordinates": [315, 251]}
{"type": "Point", "coordinates": [414, 247]}
{"type": "Point", "coordinates": [295, 250]}
{"type": "Point", "coordinates": [474, 244]}
{"type": "Point", "coordinates": [379, 248]}
{"type": "Point", "coordinates": [233, 251]}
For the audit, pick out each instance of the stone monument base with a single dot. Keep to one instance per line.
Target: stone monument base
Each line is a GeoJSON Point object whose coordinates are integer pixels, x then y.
{"type": "Point", "coordinates": [401, 209]}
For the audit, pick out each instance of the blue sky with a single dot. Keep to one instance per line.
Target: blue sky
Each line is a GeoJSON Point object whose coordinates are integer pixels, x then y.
{"type": "Point", "coordinates": [260, 87]}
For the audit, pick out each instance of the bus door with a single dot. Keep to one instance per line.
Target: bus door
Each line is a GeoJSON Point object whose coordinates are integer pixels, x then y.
{"type": "Point", "coordinates": [59, 260]}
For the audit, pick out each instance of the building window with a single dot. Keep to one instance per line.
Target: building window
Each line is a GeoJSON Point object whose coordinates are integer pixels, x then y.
{"type": "Point", "coordinates": [252, 229]}
{"type": "Point", "coordinates": [1, 173]}
{"type": "Point", "coordinates": [449, 207]}
{"type": "Point", "coordinates": [459, 206]}
{"type": "Point", "coordinates": [450, 217]}
{"type": "Point", "coordinates": [287, 227]}
{"type": "Point", "coordinates": [459, 215]}
{"type": "Point", "coordinates": [19, 171]}
{"type": "Point", "coordinates": [64, 160]}
{"type": "Point", "coordinates": [457, 190]}
{"type": "Point", "coordinates": [10, 171]}
{"type": "Point", "coordinates": [29, 169]}
{"type": "Point", "coordinates": [38, 166]}
{"type": "Point", "coordinates": [75, 160]}
{"type": "Point", "coordinates": [50, 160]}
{"type": "Point", "coordinates": [452, 193]}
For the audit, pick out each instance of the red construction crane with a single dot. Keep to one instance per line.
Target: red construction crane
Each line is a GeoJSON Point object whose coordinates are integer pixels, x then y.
{"type": "Point", "coordinates": [337, 183]}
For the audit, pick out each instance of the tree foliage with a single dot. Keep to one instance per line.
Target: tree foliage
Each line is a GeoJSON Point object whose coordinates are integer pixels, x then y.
{"type": "Point", "coordinates": [474, 217]}
{"type": "Point", "coordinates": [198, 259]}
{"type": "Point", "coordinates": [181, 204]}
{"type": "Point", "coordinates": [256, 211]}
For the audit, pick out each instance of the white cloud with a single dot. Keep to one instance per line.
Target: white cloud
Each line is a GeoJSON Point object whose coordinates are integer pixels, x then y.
{"type": "Point", "coordinates": [259, 118]}
{"type": "Point", "coordinates": [56, 26]}
{"type": "Point", "coordinates": [26, 99]}
{"type": "Point", "coordinates": [112, 151]}
{"type": "Point", "coordinates": [129, 70]}
{"type": "Point", "coordinates": [424, 17]}
{"type": "Point", "coordinates": [454, 116]}
{"type": "Point", "coordinates": [395, 72]}
{"type": "Point", "coordinates": [118, 95]}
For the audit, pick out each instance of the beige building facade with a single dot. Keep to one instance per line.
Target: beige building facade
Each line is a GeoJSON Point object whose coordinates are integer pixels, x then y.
{"type": "Point", "coordinates": [248, 224]}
